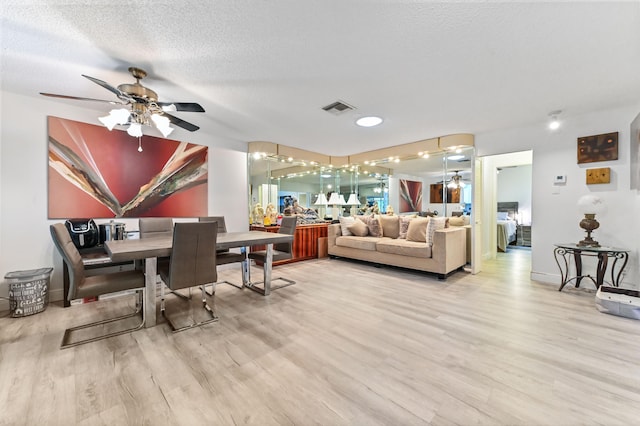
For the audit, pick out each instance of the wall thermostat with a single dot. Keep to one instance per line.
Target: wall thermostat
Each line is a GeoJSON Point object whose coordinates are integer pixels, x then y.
{"type": "Point", "coordinates": [558, 179]}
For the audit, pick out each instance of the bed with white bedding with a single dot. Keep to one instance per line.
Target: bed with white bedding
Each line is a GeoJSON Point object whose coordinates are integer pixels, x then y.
{"type": "Point", "coordinates": [506, 224]}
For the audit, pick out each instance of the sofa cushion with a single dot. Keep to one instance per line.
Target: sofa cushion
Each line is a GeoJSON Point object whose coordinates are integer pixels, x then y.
{"type": "Point", "coordinates": [362, 243]}
{"type": "Point", "coordinates": [417, 230]}
{"type": "Point", "coordinates": [404, 248]}
{"type": "Point", "coordinates": [375, 228]}
{"type": "Point", "coordinates": [404, 225]}
{"type": "Point", "coordinates": [345, 221]}
{"type": "Point", "coordinates": [435, 223]}
{"type": "Point", "coordinates": [358, 228]}
{"type": "Point", "coordinates": [456, 221]}
{"type": "Point", "coordinates": [390, 226]}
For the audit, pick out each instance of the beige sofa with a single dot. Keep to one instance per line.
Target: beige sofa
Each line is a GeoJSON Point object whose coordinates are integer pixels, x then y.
{"type": "Point", "coordinates": [447, 254]}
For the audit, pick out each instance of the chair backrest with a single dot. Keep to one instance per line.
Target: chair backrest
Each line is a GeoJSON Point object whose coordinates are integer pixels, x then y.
{"type": "Point", "coordinates": [222, 227]}
{"type": "Point", "coordinates": [288, 226]}
{"type": "Point", "coordinates": [71, 256]}
{"type": "Point", "coordinates": [193, 256]}
{"type": "Point", "coordinates": [151, 227]}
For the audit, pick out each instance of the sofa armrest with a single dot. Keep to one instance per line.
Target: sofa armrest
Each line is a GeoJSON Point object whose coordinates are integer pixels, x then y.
{"type": "Point", "coordinates": [333, 232]}
{"type": "Point", "coordinates": [450, 247]}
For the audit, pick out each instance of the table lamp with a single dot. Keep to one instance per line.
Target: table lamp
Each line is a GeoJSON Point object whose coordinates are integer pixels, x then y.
{"type": "Point", "coordinates": [335, 201]}
{"type": "Point", "coordinates": [590, 205]}
{"type": "Point", "coordinates": [321, 201]}
{"type": "Point", "coordinates": [354, 203]}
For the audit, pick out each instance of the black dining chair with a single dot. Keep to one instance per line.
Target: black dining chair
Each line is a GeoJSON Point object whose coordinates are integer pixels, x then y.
{"type": "Point", "coordinates": [224, 256]}
{"type": "Point", "coordinates": [281, 251]}
{"type": "Point", "coordinates": [82, 286]}
{"type": "Point", "coordinates": [192, 264]}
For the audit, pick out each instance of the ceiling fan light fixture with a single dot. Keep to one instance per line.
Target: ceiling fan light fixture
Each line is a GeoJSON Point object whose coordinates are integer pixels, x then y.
{"type": "Point", "coordinates": [116, 116]}
{"type": "Point", "coordinates": [109, 121]}
{"type": "Point", "coordinates": [162, 123]}
{"type": "Point", "coordinates": [169, 108]}
{"type": "Point", "coordinates": [135, 130]}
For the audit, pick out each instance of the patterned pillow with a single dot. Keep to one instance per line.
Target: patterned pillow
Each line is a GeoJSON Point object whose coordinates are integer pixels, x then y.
{"type": "Point", "coordinates": [374, 225]}
{"type": "Point", "coordinates": [404, 226]}
{"type": "Point", "coordinates": [358, 228]}
{"type": "Point", "coordinates": [345, 221]}
{"type": "Point", "coordinates": [417, 230]}
{"type": "Point", "coordinates": [434, 224]}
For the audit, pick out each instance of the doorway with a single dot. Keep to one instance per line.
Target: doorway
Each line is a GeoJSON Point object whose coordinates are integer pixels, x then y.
{"type": "Point", "coordinates": [506, 185]}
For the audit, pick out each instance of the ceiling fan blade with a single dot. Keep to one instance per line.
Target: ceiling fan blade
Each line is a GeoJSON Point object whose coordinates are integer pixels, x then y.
{"type": "Point", "coordinates": [181, 123]}
{"type": "Point", "coordinates": [53, 95]}
{"type": "Point", "coordinates": [181, 106]}
{"type": "Point", "coordinates": [109, 87]}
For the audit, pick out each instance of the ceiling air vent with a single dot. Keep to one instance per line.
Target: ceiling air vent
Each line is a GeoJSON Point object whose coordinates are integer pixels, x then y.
{"type": "Point", "coordinates": [338, 107]}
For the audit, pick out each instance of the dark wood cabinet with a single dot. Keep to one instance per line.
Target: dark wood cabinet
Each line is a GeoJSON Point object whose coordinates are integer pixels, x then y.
{"type": "Point", "coordinates": [305, 240]}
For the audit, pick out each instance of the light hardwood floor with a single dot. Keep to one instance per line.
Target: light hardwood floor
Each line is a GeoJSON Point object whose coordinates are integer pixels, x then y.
{"type": "Point", "coordinates": [350, 344]}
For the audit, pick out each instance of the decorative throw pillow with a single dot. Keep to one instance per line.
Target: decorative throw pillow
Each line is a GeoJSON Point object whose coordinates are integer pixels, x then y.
{"type": "Point", "coordinates": [434, 224]}
{"type": "Point", "coordinates": [456, 221]}
{"type": "Point", "coordinates": [417, 230]}
{"type": "Point", "coordinates": [345, 221]}
{"type": "Point", "coordinates": [375, 228]}
{"type": "Point", "coordinates": [404, 226]}
{"type": "Point", "coordinates": [358, 228]}
{"type": "Point", "coordinates": [390, 226]}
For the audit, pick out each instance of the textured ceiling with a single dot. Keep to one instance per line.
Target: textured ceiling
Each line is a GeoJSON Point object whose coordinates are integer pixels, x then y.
{"type": "Point", "coordinates": [263, 69]}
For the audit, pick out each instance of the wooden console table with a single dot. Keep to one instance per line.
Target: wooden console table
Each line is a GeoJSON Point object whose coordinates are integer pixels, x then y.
{"type": "Point", "coordinates": [563, 251]}
{"type": "Point", "coordinates": [305, 240]}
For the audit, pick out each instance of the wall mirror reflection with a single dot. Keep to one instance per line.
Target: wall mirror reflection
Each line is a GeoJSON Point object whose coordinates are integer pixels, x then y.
{"type": "Point", "coordinates": [320, 188]}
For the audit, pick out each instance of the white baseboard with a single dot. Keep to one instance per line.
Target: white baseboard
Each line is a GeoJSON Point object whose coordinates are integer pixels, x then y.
{"type": "Point", "coordinates": [546, 278]}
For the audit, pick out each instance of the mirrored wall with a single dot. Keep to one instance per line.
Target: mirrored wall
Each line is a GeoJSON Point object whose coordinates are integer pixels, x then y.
{"type": "Point", "coordinates": [322, 188]}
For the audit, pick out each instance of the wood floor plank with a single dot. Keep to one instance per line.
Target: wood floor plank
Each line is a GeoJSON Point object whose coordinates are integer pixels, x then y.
{"type": "Point", "coordinates": [349, 344]}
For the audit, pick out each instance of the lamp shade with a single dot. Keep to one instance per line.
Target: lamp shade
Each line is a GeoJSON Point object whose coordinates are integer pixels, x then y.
{"type": "Point", "coordinates": [353, 200]}
{"type": "Point", "coordinates": [342, 201]}
{"type": "Point", "coordinates": [334, 199]}
{"type": "Point", "coordinates": [116, 116]}
{"type": "Point", "coordinates": [321, 200]}
{"type": "Point", "coordinates": [135, 130]}
{"type": "Point", "coordinates": [591, 204]}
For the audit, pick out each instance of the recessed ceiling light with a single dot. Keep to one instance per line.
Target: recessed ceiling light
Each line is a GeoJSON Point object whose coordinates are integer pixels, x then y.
{"type": "Point", "coordinates": [554, 124]}
{"type": "Point", "coordinates": [368, 121]}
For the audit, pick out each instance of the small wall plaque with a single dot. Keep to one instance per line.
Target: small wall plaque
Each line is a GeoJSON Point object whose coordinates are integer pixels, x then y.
{"type": "Point", "coordinates": [601, 175]}
{"type": "Point", "coordinates": [598, 148]}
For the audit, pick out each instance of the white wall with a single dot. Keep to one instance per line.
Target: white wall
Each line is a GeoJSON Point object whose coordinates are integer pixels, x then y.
{"type": "Point", "coordinates": [555, 214]}
{"type": "Point", "coordinates": [514, 184]}
{"type": "Point", "coordinates": [25, 242]}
